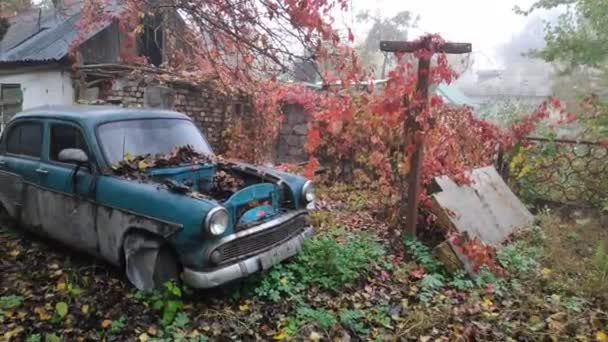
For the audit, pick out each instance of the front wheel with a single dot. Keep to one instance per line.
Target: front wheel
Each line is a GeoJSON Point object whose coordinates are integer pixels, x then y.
{"type": "Point", "coordinates": [149, 261]}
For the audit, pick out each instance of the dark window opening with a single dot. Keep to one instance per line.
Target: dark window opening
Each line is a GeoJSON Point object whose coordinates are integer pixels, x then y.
{"type": "Point", "coordinates": [63, 137]}
{"type": "Point", "coordinates": [25, 139]}
{"type": "Point", "coordinates": [150, 42]}
{"type": "Point", "coordinates": [11, 99]}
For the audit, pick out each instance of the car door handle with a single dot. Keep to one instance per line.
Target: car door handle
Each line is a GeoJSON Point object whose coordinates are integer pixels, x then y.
{"type": "Point", "coordinates": [42, 171]}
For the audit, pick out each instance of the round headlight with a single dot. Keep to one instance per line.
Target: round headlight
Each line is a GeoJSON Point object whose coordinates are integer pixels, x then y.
{"type": "Point", "coordinates": [308, 192]}
{"type": "Point", "coordinates": [217, 221]}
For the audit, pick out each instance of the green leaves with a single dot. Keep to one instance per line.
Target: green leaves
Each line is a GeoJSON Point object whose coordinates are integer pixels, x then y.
{"type": "Point", "coordinates": [117, 325]}
{"type": "Point", "coordinates": [10, 302]}
{"type": "Point", "coordinates": [600, 261]}
{"type": "Point", "coordinates": [61, 309]}
{"type": "Point", "coordinates": [422, 255]}
{"type": "Point", "coordinates": [168, 301]}
{"type": "Point", "coordinates": [518, 257]}
{"type": "Point", "coordinates": [580, 35]}
{"type": "Point", "coordinates": [329, 260]}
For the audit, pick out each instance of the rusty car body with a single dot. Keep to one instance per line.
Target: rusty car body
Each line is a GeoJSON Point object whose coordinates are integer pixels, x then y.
{"type": "Point", "coordinates": [62, 175]}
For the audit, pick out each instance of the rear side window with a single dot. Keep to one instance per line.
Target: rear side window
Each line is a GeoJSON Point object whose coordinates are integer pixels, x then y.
{"type": "Point", "coordinates": [66, 136]}
{"type": "Point", "coordinates": [25, 139]}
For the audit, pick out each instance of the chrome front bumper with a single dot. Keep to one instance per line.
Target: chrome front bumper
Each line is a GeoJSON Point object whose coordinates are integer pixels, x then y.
{"type": "Point", "coordinates": [242, 269]}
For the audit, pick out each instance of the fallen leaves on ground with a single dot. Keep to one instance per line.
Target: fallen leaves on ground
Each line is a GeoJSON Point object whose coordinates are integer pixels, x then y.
{"type": "Point", "coordinates": [53, 293]}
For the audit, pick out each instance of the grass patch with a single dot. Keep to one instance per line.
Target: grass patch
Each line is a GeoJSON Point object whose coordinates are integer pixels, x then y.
{"type": "Point", "coordinates": [575, 266]}
{"type": "Point", "coordinates": [329, 261]}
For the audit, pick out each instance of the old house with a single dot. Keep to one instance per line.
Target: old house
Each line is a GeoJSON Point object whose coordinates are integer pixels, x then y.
{"type": "Point", "coordinates": [37, 67]}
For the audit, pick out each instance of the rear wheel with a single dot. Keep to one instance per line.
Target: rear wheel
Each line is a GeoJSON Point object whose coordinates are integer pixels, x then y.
{"type": "Point", "coordinates": [149, 261]}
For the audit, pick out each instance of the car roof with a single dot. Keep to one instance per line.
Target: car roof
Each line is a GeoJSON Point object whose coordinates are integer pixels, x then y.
{"type": "Point", "coordinates": [92, 115]}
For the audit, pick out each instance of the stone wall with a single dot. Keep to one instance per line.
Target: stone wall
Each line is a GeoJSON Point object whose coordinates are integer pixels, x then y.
{"type": "Point", "coordinates": [210, 110]}
{"type": "Point", "coordinates": [293, 135]}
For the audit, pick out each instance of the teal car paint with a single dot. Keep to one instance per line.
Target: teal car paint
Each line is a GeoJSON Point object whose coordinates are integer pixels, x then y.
{"type": "Point", "coordinates": [58, 178]}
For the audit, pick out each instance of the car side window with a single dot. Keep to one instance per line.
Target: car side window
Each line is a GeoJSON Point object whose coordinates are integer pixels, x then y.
{"type": "Point", "coordinates": [25, 139]}
{"type": "Point", "coordinates": [66, 136]}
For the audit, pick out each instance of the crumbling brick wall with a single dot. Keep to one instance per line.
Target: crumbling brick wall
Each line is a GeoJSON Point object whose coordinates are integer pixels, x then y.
{"type": "Point", "coordinates": [210, 110]}
{"type": "Point", "coordinates": [293, 135]}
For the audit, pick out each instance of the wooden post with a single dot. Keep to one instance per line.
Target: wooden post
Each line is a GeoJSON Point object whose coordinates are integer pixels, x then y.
{"type": "Point", "coordinates": [421, 103]}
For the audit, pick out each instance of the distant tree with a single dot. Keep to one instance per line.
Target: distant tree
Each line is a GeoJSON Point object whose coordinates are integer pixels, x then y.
{"type": "Point", "coordinates": [577, 43]}
{"type": "Point", "coordinates": [579, 37]}
{"type": "Point", "coordinates": [382, 28]}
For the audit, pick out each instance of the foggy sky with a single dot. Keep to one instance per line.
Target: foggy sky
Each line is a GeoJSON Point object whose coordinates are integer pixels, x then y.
{"type": "Point", "coordinates": [489, 25]}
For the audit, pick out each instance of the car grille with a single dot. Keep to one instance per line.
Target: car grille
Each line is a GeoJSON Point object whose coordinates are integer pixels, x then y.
{"type": "Point", "coordinates": [258, 242]}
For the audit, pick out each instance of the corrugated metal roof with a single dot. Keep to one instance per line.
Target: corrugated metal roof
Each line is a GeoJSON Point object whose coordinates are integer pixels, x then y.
{"type": "Point", "coordinates": [41, 36]}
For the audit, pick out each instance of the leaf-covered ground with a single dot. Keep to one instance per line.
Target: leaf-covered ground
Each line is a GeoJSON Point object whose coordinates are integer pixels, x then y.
{"type": "Point", "coordinates": [344, 286]}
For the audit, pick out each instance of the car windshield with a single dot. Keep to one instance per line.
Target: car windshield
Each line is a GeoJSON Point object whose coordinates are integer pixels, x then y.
{"type": "Point", "coordinates": [149, 136]}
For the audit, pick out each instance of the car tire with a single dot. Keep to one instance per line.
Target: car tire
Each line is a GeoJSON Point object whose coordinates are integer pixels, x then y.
{"type": "Point", "coordinates": [149, 261]}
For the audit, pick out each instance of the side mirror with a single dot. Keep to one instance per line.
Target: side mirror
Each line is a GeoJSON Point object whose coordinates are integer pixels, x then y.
{"type": "Point", "coordinates": [73, 155]}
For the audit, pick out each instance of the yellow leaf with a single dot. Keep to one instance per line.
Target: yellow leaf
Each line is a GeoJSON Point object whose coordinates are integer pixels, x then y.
{"type": "Point", "coordinates": [143, 337]}
{"type": "Point", "coordinates": [42, 314]}
{"type": "Point", "coordinates": [85, 308]}
{"type": "Point", "coordinates": [106, 323]}
{"type": "Point", "coordinates": [60, 286]}
{"type": "Point", "coordinates": [142, 165]}
{"type": "Point", "coordinates": [128, 157]}
{"type": "Point", "coordinates": [601, 336]}
{"type": "Point", "coordinates": [487, 303]}
{"type": "Point", "coordinates": [280, 336]}
{"type": "Point", "coordinates": [545, 272]}
{"type": "Point", "coordinates": [10, 334]}
{"type": "Point", "coordinates": [14, 253]}
{"type": "Point", "coordinates": [244, 307]}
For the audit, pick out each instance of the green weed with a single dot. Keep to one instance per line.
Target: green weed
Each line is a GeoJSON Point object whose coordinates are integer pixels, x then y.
{"type": "Point", "coordinates": [168, 301]}
{"type": "Point", "coordinates": [175, 332]}
{"type": "Point", "coordinates": [353, 320]}
{"type": "Point", "coordinates": [422, 255]}
{"type": "Point", "coordinates": [117, 325]}
{"type": "Point", "coordinates": [519, 257]}
{"type": "Point", "coordinates": [600, 262]}
{"type": "Point", "coordinates": [10, 302]}
{"type": "Point", "coordinates": [329, 261]}
{"type": "Point", "coordinates": [323, 318]}
{"type": "Point", "coordinates": [34, 338]}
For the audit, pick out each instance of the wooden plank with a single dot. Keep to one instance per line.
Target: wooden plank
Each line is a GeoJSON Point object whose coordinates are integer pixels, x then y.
{"type": "Point", "coordinates": [409, 47]}
{"type": "Point", "coordinates": [487, 208]}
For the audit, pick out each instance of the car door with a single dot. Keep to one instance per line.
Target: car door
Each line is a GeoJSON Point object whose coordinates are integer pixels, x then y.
{"type": "Point", "coordinates": [67, 199]}
{"type": "Point", "coordinates": [20, 153]}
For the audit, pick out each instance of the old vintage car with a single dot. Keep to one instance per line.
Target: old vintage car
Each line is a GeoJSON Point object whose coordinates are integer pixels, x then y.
{"type": "Point", "coordinates": [142, 189]}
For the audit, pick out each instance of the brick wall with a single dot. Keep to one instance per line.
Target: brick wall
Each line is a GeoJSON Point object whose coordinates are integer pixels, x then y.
{"type": "Point", "coordinates": [293, 135]}
{"type": "Point", "coordinates": [210, 110]}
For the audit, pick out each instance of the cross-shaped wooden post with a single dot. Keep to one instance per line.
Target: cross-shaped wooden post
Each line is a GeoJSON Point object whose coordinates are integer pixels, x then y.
{"type": "Point", "coordinates": [421, 97]}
